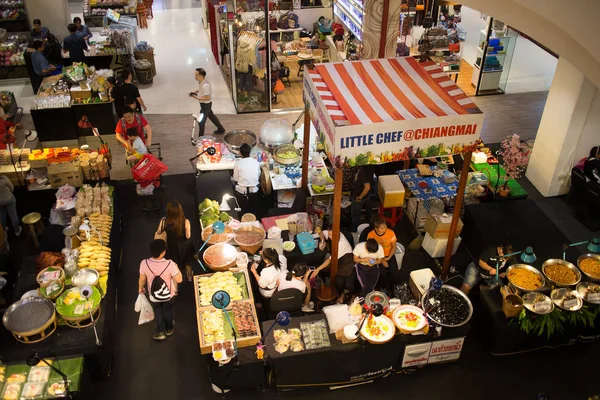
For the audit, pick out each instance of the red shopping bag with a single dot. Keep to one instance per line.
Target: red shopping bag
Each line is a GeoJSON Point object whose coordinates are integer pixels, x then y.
{"type": "Point", "coordinates": [148, 170]}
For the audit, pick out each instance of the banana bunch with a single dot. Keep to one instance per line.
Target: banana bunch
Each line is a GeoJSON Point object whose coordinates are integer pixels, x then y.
{"type": "Point", "coordinates": [103, 223]}
{"type": "Point", "coordinates": [94, 255]}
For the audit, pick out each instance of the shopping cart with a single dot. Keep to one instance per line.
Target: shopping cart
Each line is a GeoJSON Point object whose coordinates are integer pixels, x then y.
{"type": "Point", "coordinates": [148, 175]}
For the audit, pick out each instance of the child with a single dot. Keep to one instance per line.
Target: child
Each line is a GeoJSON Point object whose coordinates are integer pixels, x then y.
{"type": "Point", "coordinates": [137, 148]}
{"type": "Point", "coordinates": [368, 256]}
{"type": "Point", "coordinates": [297, 278]}
{"type": "Point", "coordinates": [386, 239]}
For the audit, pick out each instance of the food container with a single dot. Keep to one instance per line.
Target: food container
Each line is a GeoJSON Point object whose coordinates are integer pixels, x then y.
{"type": "Point", "coordinates": [250, 238]}
{"type": "Point", "coordinates": [391, 191]}
{"type": "Point", "coordinates": [589, 291]}
{"type": "Point", "coordinates": [287, 154]}
{"type": "Point", "coordinates": [274, 232]}
{"type": "Point", "coordinates": [512, 305]}
{"type": "Point", "coordinates": [538, 303]}
{"type": "Point", "coordinates": [306, 243]}
{"type": "Point", "coordinates": [288, 246]}
{"type": "Point", "coordinates": [409, 319]}
{"type": "Point", "coordinates": [433, 314]}
{"type": "Point", "coordinates": [587, 275]}
{"type": "Point", "coordinates": [220, 257]}
{"type": "Point", "coordinates": [216, 238]}
{"type": "Point", "coordinates": [237, 137]}
{"type": "Point", "coordinates": [276, 132]}
{"type": "Point", "coordinates": [30, 320]}
{"type": "Point", "coordinates": [567, 299]}
{"type": "Point", "coordinates": [85, 277]}
{"type": "Point", "coordinates": [566, 264]}
{"type": "Point", "coordinates": [419, 281]}
{"type": "Point", "coordinates": [49, 275]}
{"type": "Point", "coordinates": [529, 268]}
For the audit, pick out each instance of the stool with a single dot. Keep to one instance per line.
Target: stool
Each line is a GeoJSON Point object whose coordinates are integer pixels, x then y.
{"type": "Point", "coordinates": [325, 294]}
{"type": "Point", "coordinates": [34, 226]}
{"type": "Point", "coordinates": [396, 215]}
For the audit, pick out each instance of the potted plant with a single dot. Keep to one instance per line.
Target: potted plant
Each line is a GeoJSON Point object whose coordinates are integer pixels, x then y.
{"type": "Point", "coordinates": [515, 156]}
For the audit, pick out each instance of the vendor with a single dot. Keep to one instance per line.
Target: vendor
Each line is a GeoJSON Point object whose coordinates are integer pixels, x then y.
{"type": "Point", "coordinates": [297, 278]}
{"type": "Point", "coordinates": [360, 195]}
{"type": "Point", "coordinates": [489, 259]}
{"type": "Point", "coordinates": [344, 280]}
{"type": "Point", "coordinates": [39, 62]}
{"type": "Point", "coordinates": [74, 45]}
{"type": "Point", "coordinates": [269, 277]}
{"type": "Point", "coordinates": [39, 31]}
{"type": "Point", "coordinates": [82, 30]}
{"type": "Point", "coordinates": [52, 50]}
{"type": "Point", "coordinates": [386, 239]}
{"type": "Point", "coordinates": [132, 120]}
{"type": "Point", "coordinates": [246, 172]}
{"type": "Point", "coordinates": [368, 256]}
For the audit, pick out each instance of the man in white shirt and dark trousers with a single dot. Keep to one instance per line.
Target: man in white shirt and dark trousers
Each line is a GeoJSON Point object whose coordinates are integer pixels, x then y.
{"type": "Point", "coordinates": [246, 175]}
{"type": "Point", "coordinates": [203, 95]}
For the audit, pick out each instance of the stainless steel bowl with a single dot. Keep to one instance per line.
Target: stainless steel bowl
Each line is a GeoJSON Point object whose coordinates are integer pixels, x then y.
{"type": "Point", "coordinates": [559, 294]}
{"type": "Point", "coordinates": [85, 277]}
{"type": "Point", "coordinates": [588, 276]}
{"type": "Point", "coordinates": [28, 314]}
{"type": "Point", "coordinates": [583, 288]}
{"type": "Point", "coordinates": [455, 290]}
{"type": "Point", "coordinates": [237, 137]}
{"type": "Point", "coordinates": [545, 304]}
{"type": "Point", "coordinates": [529, 268]}
{"type": "Point", "coordinates": [556, 261]}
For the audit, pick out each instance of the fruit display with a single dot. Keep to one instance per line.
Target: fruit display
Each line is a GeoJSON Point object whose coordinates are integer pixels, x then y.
{"type": "Point", "coordinates": [11, 4]}
{"type": "Point", "coordinates": [96, 256]}
{"type": "Point", "coordinates": [244, 319]}
{"type": "Point", "coordinates": [97, 200]}
{"type": "Point", "coordinates": [212, 326]}
{"type": "Point", "coordinates": [209, 213]}
{"type": "Point", "coordinates": [11, 54]}
{"type": "Point", "coordinates": [72, 304]}
{"type": "Point", "coordinates": [227, 281]}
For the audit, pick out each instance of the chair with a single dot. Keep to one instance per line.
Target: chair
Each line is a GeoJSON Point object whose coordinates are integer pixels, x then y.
{"type": "Point", "coordinates": [289, 300]}
{"type": "Point", "coordinates": [318, 55]}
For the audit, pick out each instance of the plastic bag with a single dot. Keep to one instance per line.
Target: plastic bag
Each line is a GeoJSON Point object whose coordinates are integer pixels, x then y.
{"type": "Point", "coordinates": [143, 306]}
{"type": "Point", "coordinates": [337, 317]}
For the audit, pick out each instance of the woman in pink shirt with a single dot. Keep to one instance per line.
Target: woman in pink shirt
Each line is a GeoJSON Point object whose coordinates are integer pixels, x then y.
{"type": "Point", "coordinates": [169, 272]}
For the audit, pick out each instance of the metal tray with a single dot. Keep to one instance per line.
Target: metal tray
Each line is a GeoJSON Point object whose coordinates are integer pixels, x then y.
{"type": "Point", "coordinates": [28, 314]}
{"type": "Point", "coordinates": [555, 261]}
{"type": "Point", "coordinates": [582, 289]}
{"type": "Point", "coordinates": [529, 301]}
{"type": "Point", "coordinates": [452, 289]}
{"type": "Point", "coordinates": [529, 268]}
{"type": "Point", "coordinates": [583, 257]}
{"type": "Point", "coordinates": [557, 296]}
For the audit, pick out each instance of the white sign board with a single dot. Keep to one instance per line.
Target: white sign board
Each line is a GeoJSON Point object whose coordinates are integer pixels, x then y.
{"type": "Point", "coordinates": [446, 350]}
{"type": "Point", "coordinates": [416, 354]}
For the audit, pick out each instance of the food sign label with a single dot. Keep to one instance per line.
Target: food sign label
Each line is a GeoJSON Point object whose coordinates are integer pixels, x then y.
{"type": "Point", "coordinates": [416, 354]}
{"type": "Point", "coordinates": [445, 350]}
{"type": "Point", "coordinates": [541, 307]}
{"type": "Point", "coordinates": [570, 303]}
{"type": "Point", "coordinates": [593, 297]}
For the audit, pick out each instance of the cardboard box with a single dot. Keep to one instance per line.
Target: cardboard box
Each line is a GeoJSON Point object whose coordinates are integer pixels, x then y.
{"type": "Point", "coordinates": [72, 167]}
{"type": "Point", "coordinates": [71, 178]}
{"type": "Point", "coordinates": [438, 226]}
{"type": "Point", "coordinates": [436, 248]}
{"type": "Point", "coordinates": [391, 191]}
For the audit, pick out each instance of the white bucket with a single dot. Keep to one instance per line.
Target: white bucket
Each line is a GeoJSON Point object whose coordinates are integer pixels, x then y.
{"type": "Point", "coordinates": [399, 255]}
{"type": "Point", "coordinates": [274, 233]}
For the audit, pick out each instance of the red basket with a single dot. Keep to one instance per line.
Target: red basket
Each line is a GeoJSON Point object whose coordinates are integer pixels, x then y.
{"type": "Point", "coordinates": [148, 170]}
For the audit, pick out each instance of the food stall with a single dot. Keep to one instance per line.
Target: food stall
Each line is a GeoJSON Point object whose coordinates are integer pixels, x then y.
{"type": "Point", "coordinates": [360, 123]}
{"type": "Point", "coordinates": [12, 59]}
{"type": "Point", "coordinates": [62, 101]}
{"type": "Point", "coordinates": [67, 296]}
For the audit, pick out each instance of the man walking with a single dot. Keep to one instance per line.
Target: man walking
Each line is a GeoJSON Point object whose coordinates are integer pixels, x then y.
{"type": "Point", "coordinates": [203, 95]}
{"type": "Point", "coordinates": [162, 277]}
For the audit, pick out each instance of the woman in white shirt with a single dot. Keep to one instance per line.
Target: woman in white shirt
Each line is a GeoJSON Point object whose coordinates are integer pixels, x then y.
{"type": "Point", "coordinates": [268, 280]}
{"type": "Point", "coordinates": [297, 278]}
{"type": "Point", "coordinates": [367, 256]}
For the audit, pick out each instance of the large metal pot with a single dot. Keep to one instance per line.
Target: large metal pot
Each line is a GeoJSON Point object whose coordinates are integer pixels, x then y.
{"type": "Point", "coordinates": [556, 261]}
{"type": "Point", "coordinates": [588, 276]}
{"type": "Point", "coordinates": [237, 137]}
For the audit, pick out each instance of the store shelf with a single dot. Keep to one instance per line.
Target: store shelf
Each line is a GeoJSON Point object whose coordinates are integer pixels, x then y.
{"type": "Point", "coordinates": [348, 21]}
{"type": "Point", "coordinates": [353, 14]}
{"type": "Point", "coordinates": [356, 4]}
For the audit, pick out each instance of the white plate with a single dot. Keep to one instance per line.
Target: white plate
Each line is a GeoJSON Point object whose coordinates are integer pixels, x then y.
{"type": "Point", "coordinates": [387, 335]}
{"type": "Point", "coordinates": [422, 321]}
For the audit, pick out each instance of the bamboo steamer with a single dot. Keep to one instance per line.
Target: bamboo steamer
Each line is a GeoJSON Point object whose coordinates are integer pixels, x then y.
{"type": "Point", "coordinates": [84, 320]}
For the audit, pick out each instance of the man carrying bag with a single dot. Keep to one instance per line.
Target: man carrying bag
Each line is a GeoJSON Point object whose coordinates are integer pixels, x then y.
{"type": "Point", "coordinates": [162, 277]}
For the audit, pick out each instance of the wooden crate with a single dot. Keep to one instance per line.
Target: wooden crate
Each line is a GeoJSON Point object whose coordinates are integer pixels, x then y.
{"type": "Point", "coordinates": [66, 167]}
{"type": "Point", "coordinates": [234, 270]}
{"type": "Point", "coordinates": [72, 178]}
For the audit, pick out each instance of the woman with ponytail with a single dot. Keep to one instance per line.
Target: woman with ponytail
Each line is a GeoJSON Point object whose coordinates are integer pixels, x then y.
{"type": "Point", "coordinates": [297, 278]}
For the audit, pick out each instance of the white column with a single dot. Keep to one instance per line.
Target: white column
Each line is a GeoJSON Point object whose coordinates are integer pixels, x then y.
{"type": "Point", "coordinates": [54, 15]}
{"type": "Point", "coordinates": [570, 121]}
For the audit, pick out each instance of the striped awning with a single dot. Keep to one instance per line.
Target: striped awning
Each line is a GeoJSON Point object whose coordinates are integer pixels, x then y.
{"type": "Point", "coordinates": [385, 90]}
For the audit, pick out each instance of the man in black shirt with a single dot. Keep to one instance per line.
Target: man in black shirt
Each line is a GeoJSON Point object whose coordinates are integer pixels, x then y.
{"type": "Point", "coordinates": [360, 192]}
{"type": "Point", "coordinates": [130, 93]}
{"type": "Point", "coordinates": [489, 259]}
{"type": "Point", "coordinates": [75, 45]}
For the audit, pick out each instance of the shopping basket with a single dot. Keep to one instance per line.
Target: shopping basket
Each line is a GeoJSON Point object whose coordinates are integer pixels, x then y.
{"type": "Point", "coordinates": [148, 170]}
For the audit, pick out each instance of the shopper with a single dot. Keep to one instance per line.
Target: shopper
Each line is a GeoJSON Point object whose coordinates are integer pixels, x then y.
{"type": "Point", "coordinates": [386, 239]}
{"type": "Point", "coordinates": [168, 271]}
{"type": "Point", "coordinates": [346, 274]}
{"type": "Point", "coordinates": [132, 120]}
{"type": "Point", "coordinates": [176, 230]}
{"type": "Point", "coordinates": [269, 277]}
{"type": "Point", "coordinates": [489, 259]}
{"type": "Point", "coordinates": [82, 30]}
{"type": "Point", "coordinates": [129, 94]}
{"type": "Point", "coordinates": [52, 50]}
{"type": "Point", "coordinates": [38, 61]}
{"type": "Point", "coordinates": [204, 96]}
{"type": "Point", "coordinates": [39, 31]}
{"type": "Point", "coordinates": [7, 128]}
{"type": "Point", "coordinates": [297, 278]}
{"type": "Point", "coordinates": [246, 177]}
{"type": "Point", "coordinates": [8, 205]}
{"type": "Point", "coordinates": [360, 195]}
{"type": "Point", "coordinates": [74, 45]}
{"type": "Point", "coordinates": [368, 256]}
{"type": "Point", "coordinates": [136, 146]}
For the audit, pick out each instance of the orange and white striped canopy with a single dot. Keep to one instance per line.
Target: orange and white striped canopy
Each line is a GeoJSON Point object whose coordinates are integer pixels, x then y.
{"type": "Point", "coordinates": [386, 90]}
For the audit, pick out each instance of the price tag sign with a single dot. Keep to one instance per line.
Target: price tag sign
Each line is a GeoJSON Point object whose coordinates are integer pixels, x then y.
{"type": "Point", "coordinates": [541, 307]}
{"type": "Point", "coordinates": [113, 15]}
{"type": "Point", "coordinates": [593, 297]}
{"type": "Point", "coordinates": [570, 303]}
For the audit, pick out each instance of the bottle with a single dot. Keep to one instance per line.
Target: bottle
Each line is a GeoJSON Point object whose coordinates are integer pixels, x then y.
{"type": "Point", "coordinates": [271, 163]}
{"type": "Point", "coordinates": [259, 158]}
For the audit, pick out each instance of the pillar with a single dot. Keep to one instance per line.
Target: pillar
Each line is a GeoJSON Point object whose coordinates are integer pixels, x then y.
{"type": "Point", "coordinates": [570, 120]}
{"type": "Point", "coordinates": [54, 14]}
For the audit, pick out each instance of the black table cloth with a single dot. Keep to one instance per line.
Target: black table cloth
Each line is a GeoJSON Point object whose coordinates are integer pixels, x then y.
{"type": "Point", "coordinates": [244, 372]}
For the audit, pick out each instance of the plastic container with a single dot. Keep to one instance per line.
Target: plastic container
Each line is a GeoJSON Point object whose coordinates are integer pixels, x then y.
{"type": "Point", "coordinates": [306, 243]}
{"type": "Point", "coordinates": [419, 281]}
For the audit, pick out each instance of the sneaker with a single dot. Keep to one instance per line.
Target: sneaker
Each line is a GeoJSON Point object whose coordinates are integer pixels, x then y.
{"type": "Point", "coordinates": [309, 308]}
{"type": "Point", "coordinates": [159, 336]}
{"type": "Point", "coordinates": [219, 131]}
{"type": "Point", "coordinates": [170, 332]}
{"type": "Point", "coordinates": [18, 233]}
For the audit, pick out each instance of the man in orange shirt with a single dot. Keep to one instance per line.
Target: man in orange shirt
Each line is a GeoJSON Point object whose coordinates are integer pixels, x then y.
{"type": "Point", "coordinates": [386, 239]}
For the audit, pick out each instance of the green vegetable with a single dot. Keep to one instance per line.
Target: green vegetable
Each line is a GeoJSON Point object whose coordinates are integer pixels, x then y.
{"type": "Point", "coordinates": [224, 217]}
